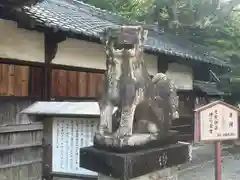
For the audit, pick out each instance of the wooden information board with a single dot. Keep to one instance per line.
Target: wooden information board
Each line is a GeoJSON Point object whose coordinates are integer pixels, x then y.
{"type": "Point", "coordinates": [69, 135]}
{"type": "Point", "coordinates": [216, 121]}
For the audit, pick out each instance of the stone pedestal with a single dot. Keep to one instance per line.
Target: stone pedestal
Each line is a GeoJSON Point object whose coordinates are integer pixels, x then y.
{"type": "Point", "coordinates": [164, 174]}
{"type": "Point", "coordinates": [143, 164]}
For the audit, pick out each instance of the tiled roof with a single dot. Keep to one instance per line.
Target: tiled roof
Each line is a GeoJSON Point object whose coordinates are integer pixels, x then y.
{"type": "Point", "coordinates": [209, 88]}
{"type": "Point", "coordinates": [76, 17]}
{"type": "Point", "coordinates": [80, 18]}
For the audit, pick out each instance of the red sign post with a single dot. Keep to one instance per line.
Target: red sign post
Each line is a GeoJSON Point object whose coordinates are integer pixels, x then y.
{"type": "Point", "coordinates": [216, 121]}
{"type": "Point", "coordinates": [218, 167]}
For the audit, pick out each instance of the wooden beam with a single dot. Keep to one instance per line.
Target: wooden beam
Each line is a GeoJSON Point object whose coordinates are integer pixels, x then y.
{"type": "Point", "coordinates": [19, 164]}
{"type": "Point", "coordinates": [53, 66]}
{"type": "Point", "coordinates": [71, 98]}
{"type": "Point", "coordinates": [75, 68]}
{"type": "Point", "coordinates": [51, 41]}
{"type": "Point", "coordinates": [19, 146]}
{"type": "Point", "coordinates": [21, 128]}
{"type": "Point", "coordinates": [20, 62]}
{"type": "Point", "coordinates": [51, 44]}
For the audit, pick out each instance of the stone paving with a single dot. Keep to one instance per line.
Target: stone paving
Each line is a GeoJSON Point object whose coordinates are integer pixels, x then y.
{"type": "Point", "coordinates": [202, 165]}
{"type": "Point", "coordinates": [205, 171]}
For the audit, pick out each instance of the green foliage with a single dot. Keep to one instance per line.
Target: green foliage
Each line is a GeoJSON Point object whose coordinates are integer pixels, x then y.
{"type": "Point", "coordinates": [132, 9]}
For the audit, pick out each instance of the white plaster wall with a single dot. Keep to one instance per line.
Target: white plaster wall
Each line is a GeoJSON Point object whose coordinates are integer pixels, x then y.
{"type": "Point", "coordinates": [79, 53]}
{"type": "Point", "coordinates": [17, 43]}
{"type": "Point", "coordinates": [151, 62]}
{"type": "Point", "coordinates": [181, 75]}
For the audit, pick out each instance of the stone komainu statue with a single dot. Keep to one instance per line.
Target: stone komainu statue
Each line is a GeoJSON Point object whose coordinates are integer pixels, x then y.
{"type": "Point", "coordinates": [134, 108]}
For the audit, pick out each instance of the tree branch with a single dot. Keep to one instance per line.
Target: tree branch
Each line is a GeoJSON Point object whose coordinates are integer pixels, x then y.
{"type": "Point", "coordinates": [221, 13]}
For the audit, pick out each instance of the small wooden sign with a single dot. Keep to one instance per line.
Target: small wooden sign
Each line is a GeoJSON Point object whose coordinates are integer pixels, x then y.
{"type": "Point", "coordinates": [217, 121]}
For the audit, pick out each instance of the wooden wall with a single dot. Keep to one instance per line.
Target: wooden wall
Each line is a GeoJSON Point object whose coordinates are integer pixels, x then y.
{"type": "Point", "coordinates": [20, 136]}
{"type": "Point", "coordinates": [36, 82]}
{"type": "Point", "coordinates": [75, 84]}
{"type": "Point", "coordinates": [20, 143]}
{"type": "Point", "coordinates": [14, 80]}
{"type": "Point", "coordinates": [19, 80]}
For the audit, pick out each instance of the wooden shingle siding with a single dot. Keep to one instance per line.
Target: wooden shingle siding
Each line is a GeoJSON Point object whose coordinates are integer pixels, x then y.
{"type": "Point", "coordinates": [75, 84]}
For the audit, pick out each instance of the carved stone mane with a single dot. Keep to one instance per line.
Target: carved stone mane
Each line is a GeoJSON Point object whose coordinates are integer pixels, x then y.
{"type": "Point", "coordinates": [145, 106]}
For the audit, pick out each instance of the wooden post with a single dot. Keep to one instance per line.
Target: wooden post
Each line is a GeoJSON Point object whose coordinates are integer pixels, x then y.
{"type": "Point", "coordinates": [51, 46]}
{"type": "Point", "coordinates": [218, 167]}
{"type": "Point", "coordinates": [50, 51]}
{"type": "Point", "coordinates": [51, 41]}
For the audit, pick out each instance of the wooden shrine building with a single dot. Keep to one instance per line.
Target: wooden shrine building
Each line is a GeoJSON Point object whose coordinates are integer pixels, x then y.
{"type": "Point", "coordinates": [51, 50]}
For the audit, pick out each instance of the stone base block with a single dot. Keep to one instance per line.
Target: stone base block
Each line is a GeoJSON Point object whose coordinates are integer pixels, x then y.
{"type": "Point", "coordinates": [164, 174]}
{"type": "Point", "coordinates": [127, 166]}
